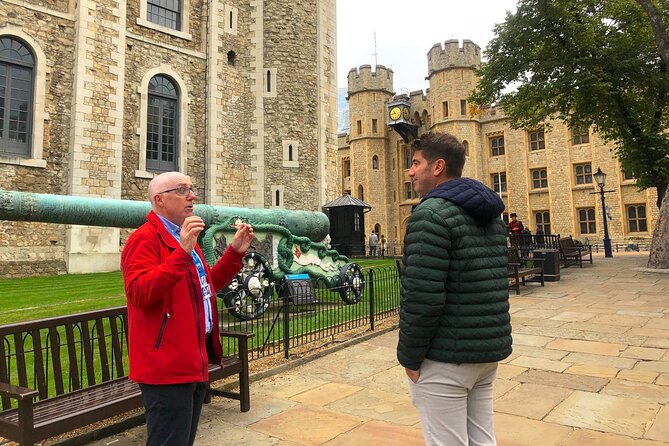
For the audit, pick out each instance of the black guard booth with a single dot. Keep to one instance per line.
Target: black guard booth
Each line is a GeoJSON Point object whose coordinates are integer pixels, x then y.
{"type": "Point", "coordinates": [347, 225]}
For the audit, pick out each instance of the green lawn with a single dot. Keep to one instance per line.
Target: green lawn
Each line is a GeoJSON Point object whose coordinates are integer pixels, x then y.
{"type": "Point", "coordinates": [40, 297]}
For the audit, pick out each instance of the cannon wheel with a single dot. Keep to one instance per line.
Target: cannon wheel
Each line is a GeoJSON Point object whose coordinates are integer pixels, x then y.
{"type": "Point", "coordinates": [351, 283]}
{"type": "Point", "coordinates": [248, 295]}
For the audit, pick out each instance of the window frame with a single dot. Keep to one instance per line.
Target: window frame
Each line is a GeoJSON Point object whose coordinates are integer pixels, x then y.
{"type": "Point", "coordinates": [184, 101]}
{"type": "Point", "coordinates": [501, 151]}
{"type": "Point", "coordinates": [580, 135]}
{"type": "Point", "coordinates": [182, 33]}
{"type": "Point", "coordinates": [35, 157]}
{"type": "Point", "coordinates": [584, 175]}
{"type": "Point", "coordinates": [591, 223]}
{"type": "Point", "coordinates": [499, 182]}
{"type": "Point", "coordinates": [542, 181]}
{"type": "Point", "coordinates": [16, 66]}
{"type": "Point", "coordinates": [637, 219]}
{"type": "Point", "coordinates": [544, 222]}
{"type": "Point", "coordinates": [536, 140]}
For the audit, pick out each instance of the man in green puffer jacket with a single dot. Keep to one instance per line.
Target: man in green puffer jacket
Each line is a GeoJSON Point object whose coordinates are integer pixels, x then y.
{"type": "Point", "coordinates": [454, 311]}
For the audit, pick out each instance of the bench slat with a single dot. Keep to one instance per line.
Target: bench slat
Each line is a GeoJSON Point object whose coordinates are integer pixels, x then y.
{"type": "Point", "coordinates": [54, 339]}
{"type": "Point", "coordinates": [6, 402]}
{"type": "Point", "coordinates": [88, 353]}
{"type": "Point", "coordinates": [102, 348]}
{"type": "Point", "coordinates": [40, 373]}
{"type": "Point", "coordinates": [116, 346]}
{"type": "Point", "coordinates": [20, 360]}
{"type": "Point", "coordinates": [75, 383]}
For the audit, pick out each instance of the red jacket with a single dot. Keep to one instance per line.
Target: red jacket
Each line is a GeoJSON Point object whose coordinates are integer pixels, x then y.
{"type": "Point", "coordinates": [166, 328]}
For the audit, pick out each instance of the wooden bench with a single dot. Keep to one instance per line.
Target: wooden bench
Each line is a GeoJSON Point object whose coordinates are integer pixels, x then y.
{"type": "Point", "coordinates": [571, 253]}
{"type": "Point", "coordinates": [63, 373]}
{"type": "Point", "coordinates": [521, 267]}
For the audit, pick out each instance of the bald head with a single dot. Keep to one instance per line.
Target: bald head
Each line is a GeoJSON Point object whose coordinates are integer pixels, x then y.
{"type": "Point", "coordinates": [165, 181]}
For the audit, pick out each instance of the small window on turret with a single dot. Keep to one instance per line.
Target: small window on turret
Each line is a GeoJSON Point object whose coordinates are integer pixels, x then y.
{"type": "Point", "coordinates": [374, 126]}
{"type": "Point", "coordinates": [463, 107]}
{"type": "Point", "coordinates": [444, 109]}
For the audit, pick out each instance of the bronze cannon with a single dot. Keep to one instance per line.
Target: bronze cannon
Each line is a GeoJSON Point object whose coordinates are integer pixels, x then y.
{"type": "Point", "coordinates": [286, 242]}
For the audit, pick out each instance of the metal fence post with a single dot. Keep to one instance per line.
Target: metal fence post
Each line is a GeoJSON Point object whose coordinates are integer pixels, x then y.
{"type": "Point", "coordinates": [371, 298]}
{"type": "Point", "coordinates": [286, 327]}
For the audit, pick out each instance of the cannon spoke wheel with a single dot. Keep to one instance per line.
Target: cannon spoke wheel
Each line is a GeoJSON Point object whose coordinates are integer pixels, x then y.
{"type": "Point", "coordinates": [351, 283]}
{"type": "Point", "coordinates": [248, 295]}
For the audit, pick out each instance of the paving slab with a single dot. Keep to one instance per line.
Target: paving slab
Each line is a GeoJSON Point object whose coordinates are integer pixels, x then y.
{"type": "Point", "coordinates": [307, 425]}
{"type": "Point", "coordinates": [512, 430]}
{"type": "Point", "coordinates": [660, 428]}
{"type": "Point", "coordinates": [585, 437]}
{"type": "Point", "coordinates": [605, 413]}
{"type": "Point", "coordinates": [380, 433]}
{"type": "Point", "coordinates": [380, 405]}
{"type": "Point", "coordinates": [531, 400]}
{"type": "Point", "coordinates": [568, 381]}
{"type": "Point", "coordinates": [638, 391]}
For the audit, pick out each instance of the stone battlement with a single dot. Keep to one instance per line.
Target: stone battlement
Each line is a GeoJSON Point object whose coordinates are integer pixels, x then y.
{"type": "Point", "coordinates": [363, 78]}
{"type": "Point", "coordinates": [452, 55]}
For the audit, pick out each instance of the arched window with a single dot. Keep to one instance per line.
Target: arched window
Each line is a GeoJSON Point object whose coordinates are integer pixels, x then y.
{"type": "Point", "coordinates": [424, 119]}
{"type": "Point", "coordinates": [361, 192]}
{"type": "Point", "coordinates": [17, 64]}
{"type": "Point", "coordinates": [162, 125]}
{"type": "Point", "coordinates": [375, 162]}
{"type": "Point", "coordinates": [290, 152]}
{"type": "Point", "coordinates": [416, 119]}
{"type": "Point", "coordinates": [277, 198]}
{"type": "Point", "coordinates": [269, 81]}
{"type": "Point", "coordinates": [232, 57]}
{"type": "Point", "coordinates": [466, 144]}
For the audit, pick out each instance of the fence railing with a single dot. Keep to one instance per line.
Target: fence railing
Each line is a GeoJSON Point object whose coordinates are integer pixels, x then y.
{"type": "Point", "coordinates": [64, 353]}
{"type": "Point", "coordinates": [307, 311]}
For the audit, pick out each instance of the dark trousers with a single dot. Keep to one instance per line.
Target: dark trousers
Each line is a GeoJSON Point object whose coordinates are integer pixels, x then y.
{"type": "Point", "coordinates": [172, 412]}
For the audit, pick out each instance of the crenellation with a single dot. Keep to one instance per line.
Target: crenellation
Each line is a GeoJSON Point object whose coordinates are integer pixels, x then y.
{"type": "Point", "coordinates": [364, 78]}
{"type": "Point", "coordinates": [452, 55]}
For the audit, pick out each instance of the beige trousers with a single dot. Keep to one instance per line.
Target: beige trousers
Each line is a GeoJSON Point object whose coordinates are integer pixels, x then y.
{"type": "Point", "coordinates": [454, 402]}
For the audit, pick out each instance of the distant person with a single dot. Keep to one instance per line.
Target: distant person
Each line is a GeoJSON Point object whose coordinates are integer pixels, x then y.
{"type": "Point", "coordinates": [384, 245]}
{"type": "Point", "coordinates": [373, 241]}
{"type": "Point", "coordinates": [172, 315]}
{"type": "Point", "coordinates": [539, 237]}
{"type": "Point", "coordinates": [454, 303]}
{"type": "Point", "coordinates": [515, 226]}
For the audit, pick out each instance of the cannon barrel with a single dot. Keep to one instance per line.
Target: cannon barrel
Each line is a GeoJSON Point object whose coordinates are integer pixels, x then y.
{"type": "Point", "coordinates": [88, 211]}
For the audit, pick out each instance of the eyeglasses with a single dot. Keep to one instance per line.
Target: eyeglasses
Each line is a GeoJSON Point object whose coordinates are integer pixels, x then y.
{"type": "Point", "coordinates": [181, 190]}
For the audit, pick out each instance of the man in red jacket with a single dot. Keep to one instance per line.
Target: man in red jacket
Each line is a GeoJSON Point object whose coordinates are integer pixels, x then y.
{"type": "Point", "coordinates": [172, 318]}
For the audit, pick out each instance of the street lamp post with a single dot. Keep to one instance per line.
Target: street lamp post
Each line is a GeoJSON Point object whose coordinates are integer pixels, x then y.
{"type": "Point", "coordinates": [600, 179]}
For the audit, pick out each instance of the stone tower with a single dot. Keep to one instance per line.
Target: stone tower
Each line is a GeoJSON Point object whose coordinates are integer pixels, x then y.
{"type": "Point", "coordinates": [368, 92]}
{"type": "Point", "coordinates": [452, 77]}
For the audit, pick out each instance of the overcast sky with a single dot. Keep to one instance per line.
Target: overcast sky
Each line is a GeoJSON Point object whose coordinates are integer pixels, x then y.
{"type": "Point", "coordinates": [406, 30]}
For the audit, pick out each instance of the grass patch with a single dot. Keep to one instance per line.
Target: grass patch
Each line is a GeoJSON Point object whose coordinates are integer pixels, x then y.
{"type": "Point", "coordinates": [40, 297]}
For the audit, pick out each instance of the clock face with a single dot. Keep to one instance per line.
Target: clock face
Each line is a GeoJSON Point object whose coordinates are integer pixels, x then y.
{"type": "Point", "coordinates": [395, 113]}
{"type": "Point", "coordinates": [405, 114]}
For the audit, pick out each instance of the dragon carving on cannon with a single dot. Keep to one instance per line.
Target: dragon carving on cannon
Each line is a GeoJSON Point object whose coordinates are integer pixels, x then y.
{"type": "Point", "coordinates": [286, 242]}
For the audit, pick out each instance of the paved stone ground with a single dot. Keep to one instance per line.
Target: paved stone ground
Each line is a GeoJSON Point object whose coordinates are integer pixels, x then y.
{"type": "Point", "coordinates": [590, 367]}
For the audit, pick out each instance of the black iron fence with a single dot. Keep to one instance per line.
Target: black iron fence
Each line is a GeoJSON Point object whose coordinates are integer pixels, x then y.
{"type": "Point", "coordinates": [304, 311]}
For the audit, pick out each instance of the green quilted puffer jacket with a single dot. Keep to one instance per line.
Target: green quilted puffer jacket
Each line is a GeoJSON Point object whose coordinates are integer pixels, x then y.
{"type": "Point", "coordinates": [455, 299]}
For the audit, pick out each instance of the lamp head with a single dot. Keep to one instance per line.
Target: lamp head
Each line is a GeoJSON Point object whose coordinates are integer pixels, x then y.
{"type": "Point", "coordinates": [600, 177]}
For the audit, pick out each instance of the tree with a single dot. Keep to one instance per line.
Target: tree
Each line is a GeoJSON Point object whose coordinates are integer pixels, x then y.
{"type": "Point", "coordinates": [589, 62]}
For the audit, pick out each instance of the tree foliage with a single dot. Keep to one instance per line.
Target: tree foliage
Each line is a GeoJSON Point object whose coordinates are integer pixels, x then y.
{"type": "Point", "coordinates": [587, 62]}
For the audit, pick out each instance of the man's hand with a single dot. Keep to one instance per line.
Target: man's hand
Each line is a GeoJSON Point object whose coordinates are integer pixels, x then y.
{"type": "Point", "coordinates": [242, 239]}
{"type": "Point", "coordinates": [190, 229]}
{"type": "Point", "coordinates": [412, 374]}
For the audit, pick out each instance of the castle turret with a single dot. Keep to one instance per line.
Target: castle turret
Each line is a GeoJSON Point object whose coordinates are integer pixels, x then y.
{"type": "Point", "coordinates": [368, 93]}
{"type": "Point", "coordinates": [452, 75]}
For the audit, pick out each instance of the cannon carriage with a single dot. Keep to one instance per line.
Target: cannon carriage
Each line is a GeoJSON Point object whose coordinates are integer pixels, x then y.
{"type": "Point", "coordinates": [286, 242]}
